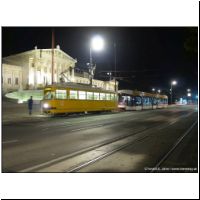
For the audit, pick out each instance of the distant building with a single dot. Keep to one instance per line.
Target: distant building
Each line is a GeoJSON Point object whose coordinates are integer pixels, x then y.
{"type": "Point", "coordinates": [33, 70]}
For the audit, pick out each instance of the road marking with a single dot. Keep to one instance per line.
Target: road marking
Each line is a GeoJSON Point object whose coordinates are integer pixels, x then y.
{"type": "Point", "coordinates": [11, 141]}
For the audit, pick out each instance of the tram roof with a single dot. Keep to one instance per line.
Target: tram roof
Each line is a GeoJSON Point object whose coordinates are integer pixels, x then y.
{"type": "Point", "coordinates": [77, 86]}
{"type": "Point", "coordinates": [142, 94]}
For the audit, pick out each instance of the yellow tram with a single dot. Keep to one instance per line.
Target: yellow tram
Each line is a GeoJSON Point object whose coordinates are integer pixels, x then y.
{"type": "Point", "coordinates": [71, 98]}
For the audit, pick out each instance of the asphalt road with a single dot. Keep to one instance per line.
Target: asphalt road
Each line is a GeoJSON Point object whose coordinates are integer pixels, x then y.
{"type": "Point", "coordinates": [27, 145]}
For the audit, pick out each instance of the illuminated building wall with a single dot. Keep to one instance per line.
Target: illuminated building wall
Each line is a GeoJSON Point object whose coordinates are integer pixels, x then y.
{"type": "Point", "coordinates": [12, 77]}
{"type": "Point", "coordinates": [35, 68]}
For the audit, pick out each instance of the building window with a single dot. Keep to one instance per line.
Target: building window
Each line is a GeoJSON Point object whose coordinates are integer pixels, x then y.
{"type": "Point", "coordinates": [16, 81]}
{"type": "Point", "coordinates": [9, 80]}
{"type": "Point", "coordinates": [70, 71]}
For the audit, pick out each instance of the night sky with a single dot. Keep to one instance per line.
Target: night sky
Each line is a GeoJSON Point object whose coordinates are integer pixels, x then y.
{"type": "Point", "coordinates": [146, 56]}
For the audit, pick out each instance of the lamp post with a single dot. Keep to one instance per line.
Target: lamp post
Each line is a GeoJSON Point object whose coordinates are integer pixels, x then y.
{"type": "Point", "coordinates": [172, 83]}
{"type": "Point", "coordinates": [52, 65]}
{"type": "Point", "coordinates": [109, 74]}
{"type": "Point", "coordinates": [115, 65]}
{"type": "Point", "coordinates": [96, 44]}
{"type": "Point", "coordinates": [189, 94]}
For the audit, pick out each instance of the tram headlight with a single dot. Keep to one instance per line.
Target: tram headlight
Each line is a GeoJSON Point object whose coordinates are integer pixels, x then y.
{"type": "Point", "coordinates": [45, 105]}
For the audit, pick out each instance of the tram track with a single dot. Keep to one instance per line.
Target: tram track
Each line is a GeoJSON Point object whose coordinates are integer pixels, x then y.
{"type": "Point", "coordinates": [105, 123]}
{"type": "Point", "coordinates": [171, 150]}
{"type": "Point", "coordinates": [51, 165]}
{"type": "Point", "coordinates": [97, 131]}
{"type": "Point", "coordinates": [85, 150]}
{"type": "Point", "coordinates": [140, 139]}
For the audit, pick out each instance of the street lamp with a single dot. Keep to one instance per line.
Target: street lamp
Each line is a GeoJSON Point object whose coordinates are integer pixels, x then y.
{"type": "Point", "coordinates": [96, 44]}
{"type": "Point", "coordinates": [172, 83]}
{"type": "Point", "coordinates": [159, 91]}
{"type": "Point", "coordinates": [153, 89]}
{"type": "Point", "coordinates": [109, 74]}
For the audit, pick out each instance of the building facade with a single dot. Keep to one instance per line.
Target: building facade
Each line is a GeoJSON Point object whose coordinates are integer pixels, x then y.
{"type": "Point", "coordinates": [33, 70]}
{"type": "Point", "coordinates": [12, 77]}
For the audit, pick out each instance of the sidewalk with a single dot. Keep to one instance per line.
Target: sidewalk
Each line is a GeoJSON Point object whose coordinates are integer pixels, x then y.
{"type": "Point", "coordinates": [14, 112]}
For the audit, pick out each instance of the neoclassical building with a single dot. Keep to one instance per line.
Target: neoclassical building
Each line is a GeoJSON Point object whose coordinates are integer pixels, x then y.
{"type": "Point", "coordinates": [33, 70]}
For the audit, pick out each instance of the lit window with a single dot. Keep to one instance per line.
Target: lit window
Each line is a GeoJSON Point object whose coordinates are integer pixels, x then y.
{"type": "Point", "coordinates": [49, 95]}
{"type": "Point", "coordinates": [82, 94]}
{"type": "Point", "coordinates": [96, 96]}
{"type": "Point", "coordinates": [112, 97]}
{"type": "Point", "coordinates": [73, 94]}
{"type": "Point", "coordinates": [102, 96]}
{"type": "Point", "coordinates": [61, 94]}
{"type": "Point", "coordinates": [90, 95]}
{"type": "Point", "coordinates": [107, 96]}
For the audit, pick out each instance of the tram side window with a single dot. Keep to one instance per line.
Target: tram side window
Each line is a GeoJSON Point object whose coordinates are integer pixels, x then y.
{"type": "Point", "coordinates": [61, 94]}
{"type": "Point", "coordinates": [102, 96]}
{"type": "Point", "coordinates": [49, 95]}
{"type": "Point", "coordinates": [96, 96]}
{"type": "Point", "coordinates": [82, 94]}
{"type": "Point", "coordinates": [73, 94]}
{"type": "Point", "coordinates": [107, 96]}
{"type": "Point", "coordinates": [138, 101]}
{"type": "Point", "coordinates": [146, 101]}
{"type": "Point", "coordinates": [112, 97]}
{"type": "Point", "coordinates": [154, 101]}
{"type": "Point", "coordinates": [129, 101]}
{"type": "Point", "coordinates": [90, 95]}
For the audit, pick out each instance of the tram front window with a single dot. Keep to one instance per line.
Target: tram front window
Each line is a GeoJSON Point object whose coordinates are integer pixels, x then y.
{"type": "Point", "coordinates": [122, 99]}
{"type": "Point", "coordinates": [49, 95]}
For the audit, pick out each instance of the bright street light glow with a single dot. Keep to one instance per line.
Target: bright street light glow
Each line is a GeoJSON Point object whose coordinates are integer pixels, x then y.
{"type": "Point", "coordinates": [174, 82]}
{"type": "Point", "coordinates": [153, 89]}
{"type": "Point", "coordinates": [189, 94]}
{"type": "Point", "coordinates": [188, 90]}
{"type": "Point", "coordinates": [97, 43]}
{"type": "Point", "coordinates": [159, 91]}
